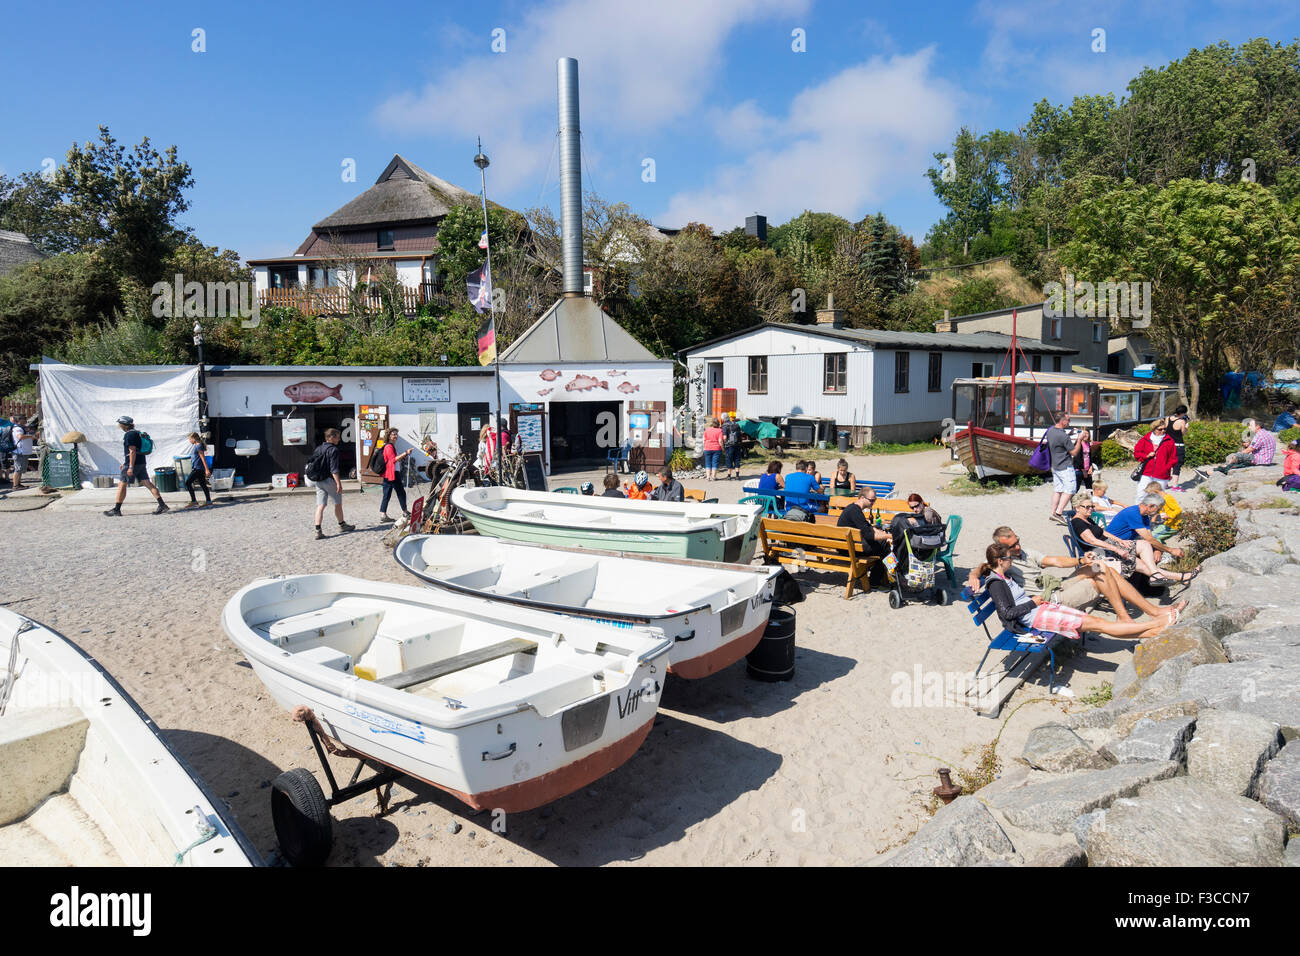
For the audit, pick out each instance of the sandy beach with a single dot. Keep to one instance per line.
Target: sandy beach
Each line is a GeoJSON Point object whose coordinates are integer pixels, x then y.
{"type": "Point", "coordinates": [831, 768]}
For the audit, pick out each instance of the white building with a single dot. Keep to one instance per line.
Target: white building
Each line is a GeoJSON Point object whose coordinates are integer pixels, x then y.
{"type": "Point", "coordinates": [879, 385]}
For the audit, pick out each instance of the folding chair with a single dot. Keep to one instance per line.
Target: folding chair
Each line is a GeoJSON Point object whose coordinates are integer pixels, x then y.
{"type": "Point", "coordinates": [982, 608]}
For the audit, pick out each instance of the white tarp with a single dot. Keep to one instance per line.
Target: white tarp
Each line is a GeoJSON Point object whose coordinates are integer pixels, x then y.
{"type": "Point", "coordinates": [163, 400]}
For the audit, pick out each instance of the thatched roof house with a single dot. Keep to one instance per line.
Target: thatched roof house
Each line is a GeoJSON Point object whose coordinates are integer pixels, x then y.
{"type": "Point", "coordinates": [16, 250]}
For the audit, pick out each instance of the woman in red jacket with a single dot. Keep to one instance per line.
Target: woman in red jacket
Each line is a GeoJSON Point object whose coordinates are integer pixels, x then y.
{"type": "Point", "coordinates": [1157, 450]}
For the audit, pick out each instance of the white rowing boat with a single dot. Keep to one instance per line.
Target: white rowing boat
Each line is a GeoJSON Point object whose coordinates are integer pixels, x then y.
{"type": "Point", "coordinates": [505, 709]}
{"type": "Point", "coordinates": [86, 778]}
{"type": "Point", "coordinates": [706, 532]}
{"type": "Point", "coordinates": [715, 613]}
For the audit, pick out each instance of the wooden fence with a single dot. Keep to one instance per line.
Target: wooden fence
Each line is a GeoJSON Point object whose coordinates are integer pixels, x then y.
{"type": "Point", "coordinates": [340, 301]}
{"type": "Point", "coordinates": [13, 410]}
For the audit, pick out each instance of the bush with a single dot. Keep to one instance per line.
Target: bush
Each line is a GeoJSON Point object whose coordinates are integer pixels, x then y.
{"type": "Point", "coordinates": [1114, 455]}
{"type": "Point", "coordinates": [1208, 443]}
{"type": "Point", "coordinates": [1206, 532]}
{"type": "Point", "coordinates": [682, 460]}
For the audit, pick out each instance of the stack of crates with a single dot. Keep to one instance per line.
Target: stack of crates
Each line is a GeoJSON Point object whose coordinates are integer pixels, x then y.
{"type": "Point", "coordinates": [724, 402]}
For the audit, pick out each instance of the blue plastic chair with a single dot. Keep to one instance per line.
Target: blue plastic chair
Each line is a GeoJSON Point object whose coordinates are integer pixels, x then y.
{"type": "Point", "coordinates": [566, 490]}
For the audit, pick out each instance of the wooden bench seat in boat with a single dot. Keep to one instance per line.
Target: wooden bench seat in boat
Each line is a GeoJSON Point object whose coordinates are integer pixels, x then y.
{"type": "Point", "coordinates": [432, 671]}
{"type": "Point", "coordinates": [806, 545]}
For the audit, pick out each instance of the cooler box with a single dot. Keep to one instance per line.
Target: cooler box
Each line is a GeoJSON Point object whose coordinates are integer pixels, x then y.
{"type": "Point", "coordinates": [280, 481]}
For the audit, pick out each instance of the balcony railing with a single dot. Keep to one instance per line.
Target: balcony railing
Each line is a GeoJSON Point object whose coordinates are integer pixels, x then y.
{"type": "Point", "coordinates": [339, 301]}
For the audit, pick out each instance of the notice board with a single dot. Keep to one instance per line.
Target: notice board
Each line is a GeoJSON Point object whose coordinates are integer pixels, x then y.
{"type": "Point", "coordinates": [534, 472]}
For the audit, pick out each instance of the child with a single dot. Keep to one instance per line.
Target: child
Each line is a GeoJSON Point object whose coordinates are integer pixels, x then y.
{"type": "Point", "coordinates": [1171, 515]}
{"type": "Point", "coordinates": [1290, 479]}
{"type": "Point", "coordinates": [199, 473]}
{"type": "Point", "coordinates": [640, 489]}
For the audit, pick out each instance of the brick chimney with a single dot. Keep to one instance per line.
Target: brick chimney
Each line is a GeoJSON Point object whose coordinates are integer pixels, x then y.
{"type": "Point", "coordinates": [945, 324]}
{"type": "Point", "coordinates": [830, 316]}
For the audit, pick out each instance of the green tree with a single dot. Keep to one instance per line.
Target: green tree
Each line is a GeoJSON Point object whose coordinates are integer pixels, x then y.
{"type": "Point", "coordinates": [31, 204]}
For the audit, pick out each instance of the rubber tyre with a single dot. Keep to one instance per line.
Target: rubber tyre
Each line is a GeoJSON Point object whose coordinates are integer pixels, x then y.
{"type": "Point", "coordinates": [944, 597]}
{"type": "Point", "coordinates": [302, 818]}
{"type": "Point", "coordinates": [894, 600]}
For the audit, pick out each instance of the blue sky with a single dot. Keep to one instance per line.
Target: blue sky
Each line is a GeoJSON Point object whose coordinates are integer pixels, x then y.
{"type": "Point", "coordinates": [734, 119]}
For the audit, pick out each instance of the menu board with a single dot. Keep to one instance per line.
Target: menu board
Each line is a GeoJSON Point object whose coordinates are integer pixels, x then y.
{"type": "Point", "coordinates": [534, 472]}
{"type": "Point", "coordinates": [415, 390]}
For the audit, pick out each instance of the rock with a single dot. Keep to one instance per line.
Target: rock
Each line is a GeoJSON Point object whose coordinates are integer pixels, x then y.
{"type": "Point", "coordinates": [1084, 821]}
{"type": "Point", "coordinates": [1153, 740]}
{"type": "Point", "coordinates": [1125, 681]}
{"type": "Point", "coordinates": [1275, 644]}
{"type": "Point", "coordinates": [1222, 622]}
{"type": "Point", "coordinates": [454, 827]}
{"type": "Point", "coordinates": [1292, 855]}
{"type": "Point", "coordinates": [1061, 856]}
{"type": "Point", "coordinates": [1053, 805]}
{"type": "Point", "coordinates": [1186, 822]}
{"type": "Point", "coordinates": [1200, 598]}
{"type": "Point", "coordinates": [963, 833]}
{"type": "Point", "coordinates": [1058, 749]}
{"type": "Point", "coordinates": [1264, 688]}
{"type": "Point", "coordinates": [1164, 684]}
{"type": "Point", "coordinates": [1279, 785]}
{"type": "Point", "coordinates": [1229, 749]}
{"type": "Point", "coordinates": [1157, 711]}
{"type": "Point", "coordinates": [1097, 717]}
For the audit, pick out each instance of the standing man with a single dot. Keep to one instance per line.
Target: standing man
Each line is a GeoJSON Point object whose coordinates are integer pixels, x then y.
{"type": "Point", "coordinates": [135, 468]}
{"type": "Point", "coordinates": [330, 488]}
{"type": "Point", "coordinates": [1062, 452]}
{"type": "Point", "coordinates": [669, 488]}
{"type": "Point", "coordinates": [22, 450]}
{"type": "Point", "coordinates": [731, 445]}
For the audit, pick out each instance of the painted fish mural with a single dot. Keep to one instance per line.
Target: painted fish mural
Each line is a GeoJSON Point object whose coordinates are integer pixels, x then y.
{"type": "Point", "coordinates": [313, 392]}
{"type": "Point", "coordinates": [615, 373]}
{"type": "Point", "coordinates": [585, 383]}
{"type": "Point", "coordinates": [549, 374]}
{"type": "Point", "coordinates": [545, 391]}
{"type": "Point", "coordinates": [627, 388]}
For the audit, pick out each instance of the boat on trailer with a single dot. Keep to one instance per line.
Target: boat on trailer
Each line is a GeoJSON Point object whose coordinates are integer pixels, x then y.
{"type": "Point", "coordinates": [715, 613]}
{"type": "Point", "coordinates": [706, 532]}
{"type": "Point", "coordinates": [505, 708]}
{"type": "Point", "coordinates": [88, 779]}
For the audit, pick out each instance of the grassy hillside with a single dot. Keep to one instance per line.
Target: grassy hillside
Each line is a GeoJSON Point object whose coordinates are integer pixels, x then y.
{"type": "Point", "coordinates": [943, 282]}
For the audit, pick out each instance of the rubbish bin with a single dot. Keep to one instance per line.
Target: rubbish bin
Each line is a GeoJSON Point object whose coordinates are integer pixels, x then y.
{"type": "Point", "coordinates": [844, 442]}
{"type": "Point", "coordinates": [165, 479]}
{"type": "Point", "coordinates": [61, 468]}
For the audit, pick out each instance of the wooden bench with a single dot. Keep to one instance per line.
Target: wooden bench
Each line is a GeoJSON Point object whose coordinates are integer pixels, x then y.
{"type": "Point", "coordinates": [804, 545]}
{"type": "Point", "coordinates": [697, 495]}
{"type": "Point", "coordinates": [886, 507]}
{"type": "Point", "coordinates": [427, 672]}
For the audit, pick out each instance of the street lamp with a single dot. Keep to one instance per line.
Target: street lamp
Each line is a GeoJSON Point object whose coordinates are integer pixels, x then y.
{"type": "Point", "coordinates": [203, 388]}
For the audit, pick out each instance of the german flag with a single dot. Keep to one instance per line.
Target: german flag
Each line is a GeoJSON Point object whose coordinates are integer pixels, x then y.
{"type": "Point", "coordinates": [487, 340]}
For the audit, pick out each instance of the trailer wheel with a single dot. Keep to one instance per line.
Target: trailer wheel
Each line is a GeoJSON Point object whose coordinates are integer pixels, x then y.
{"type": "Point", "coordinates": [944, 597]}
{"type": "Point", "coordinates": [302, 818]}
{"type": "Point", "coordinates": [895, 601]}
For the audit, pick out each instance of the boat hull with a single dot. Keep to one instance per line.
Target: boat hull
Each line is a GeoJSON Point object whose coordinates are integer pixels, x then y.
{"type": "Point", "coordinates": [988, 454]}
{"type": "Point", "coordinates": [580, 705]}
{"type": "Point", "coordinates": [706, 637]}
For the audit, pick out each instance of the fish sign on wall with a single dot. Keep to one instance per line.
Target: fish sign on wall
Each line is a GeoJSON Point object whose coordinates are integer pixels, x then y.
{"type": "Point", "coordinates": [311, 393]}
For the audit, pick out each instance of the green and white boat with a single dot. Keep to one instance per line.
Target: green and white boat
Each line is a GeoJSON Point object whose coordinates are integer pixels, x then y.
{"type": "Point", "coordinates": [705, 532]}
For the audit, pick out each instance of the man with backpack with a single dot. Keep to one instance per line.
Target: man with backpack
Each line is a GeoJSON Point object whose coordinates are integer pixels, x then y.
{"type": "Point", "coordinates": [136, 446]}
{"type": "Point", "coordinates": [731, 445]}
{"type": "Point", "coordinates": [323, 470]}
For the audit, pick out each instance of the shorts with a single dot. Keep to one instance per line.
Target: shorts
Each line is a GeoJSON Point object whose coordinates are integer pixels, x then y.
{"type": "Point", "coordinates": [1059, 619]}
{"type": "Point", "coordinates": [20, 463]}
{"type": "Point", "coordinates": [326, 492]}
{"type": "Point", "coordinates": [1077, 592]}
{"type": "Point", "coordinates": [711, 458]}
{"type": "Point", "coordinates": [1063, 481]}
{"type": "Point", "coordinates": [1243, 458]}
{"type": "Point", "coordinates": [141, 473]}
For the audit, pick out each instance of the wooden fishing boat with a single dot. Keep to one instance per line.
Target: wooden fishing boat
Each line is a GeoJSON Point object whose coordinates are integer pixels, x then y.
{"type": "Point", "coordinates": [715, 613]}
{"type": "Point", "coordinates": [707, 532]}
{"type": "Point", "coordinates": [987, 453]}
{"type": "Point", "coordinates": [503, 707]}
{"type": "Point", "coordinates": [88, 779]}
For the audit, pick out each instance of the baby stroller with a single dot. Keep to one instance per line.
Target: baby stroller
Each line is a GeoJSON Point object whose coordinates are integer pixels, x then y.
{"type": "Point", "coordinates": [914, 561]}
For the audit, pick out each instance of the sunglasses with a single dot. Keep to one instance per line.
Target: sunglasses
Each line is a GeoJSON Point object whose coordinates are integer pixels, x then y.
{"type": "Point", "coordinates": [915, 507]}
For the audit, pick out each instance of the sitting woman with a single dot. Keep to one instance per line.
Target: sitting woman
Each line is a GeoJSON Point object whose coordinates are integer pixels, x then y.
{"type": "Point", "coordinates": [843, 482]}
{"type": "Point", "coordinates": [919, 515]}
{"type": "Point", "coordinates": [1092, 536]}
{"type": "Point", "coordinates": [1018, 611]}
{"type": "Point", "coordinates": [771, 479]}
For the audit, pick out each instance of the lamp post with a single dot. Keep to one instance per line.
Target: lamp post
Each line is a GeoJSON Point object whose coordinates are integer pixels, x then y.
{"type": "Point", "coordinates": [481, 161]}
{"type": "Point", "coordinates": [203, 388]}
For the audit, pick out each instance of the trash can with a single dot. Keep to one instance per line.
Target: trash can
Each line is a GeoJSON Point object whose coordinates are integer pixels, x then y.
{"type": "Point", "coordinates": [61, 468]}
{"type": "Point", "coordinates": [773, 659]}
{"type": "Point", "coordinates": [844, 442]}
{"type": "Point", "coordinates": [165, 479]}
{"type": "Point", "coordinates": [182, 464]}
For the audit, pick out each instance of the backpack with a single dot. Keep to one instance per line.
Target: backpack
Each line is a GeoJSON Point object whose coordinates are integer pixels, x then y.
{"type": "Point", "coordinates": [7, 440]}
{"type": "Point", "coordinates": [376, 462]}
{"type": "Point", "coordinates": [316, 469]}
{"type": "Point", "coordinates": [146, 444]}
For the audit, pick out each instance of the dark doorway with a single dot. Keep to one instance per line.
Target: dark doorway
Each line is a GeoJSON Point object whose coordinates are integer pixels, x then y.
{"type": "Point", "coordinates": [470, 419]}
{"type": "Point", "coordinates": [1112, 363]}
{"type": "Point", "coordinates": [343, 418]}
{"type": "Point", "coordinates": [575, 429]}
{"type": "Point", "coordinates": [255, 469]}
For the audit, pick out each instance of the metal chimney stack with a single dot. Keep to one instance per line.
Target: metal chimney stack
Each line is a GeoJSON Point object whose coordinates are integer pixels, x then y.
{"type": "Point", "coordinates": [570, 177]}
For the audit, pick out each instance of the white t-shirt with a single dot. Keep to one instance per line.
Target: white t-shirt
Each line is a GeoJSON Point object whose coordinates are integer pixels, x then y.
{"type": "Point", "coordinates": [22, 441]}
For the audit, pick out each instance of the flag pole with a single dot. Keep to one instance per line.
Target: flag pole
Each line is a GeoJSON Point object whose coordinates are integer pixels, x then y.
{"type": "Point", "coordinates": [481, 161]}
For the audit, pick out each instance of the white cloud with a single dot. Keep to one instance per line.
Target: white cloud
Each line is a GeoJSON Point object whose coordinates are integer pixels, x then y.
{"type": "Point", "coordinates": [641, 66]}
{"type": "Point", "coordinates": [862, 135]}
